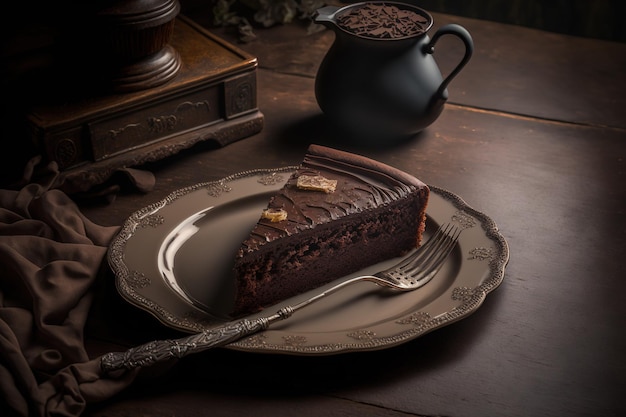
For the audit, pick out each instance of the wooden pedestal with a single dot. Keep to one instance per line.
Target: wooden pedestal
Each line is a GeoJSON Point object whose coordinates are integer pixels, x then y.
{"type": "Point", "coordinates": [212, 98]}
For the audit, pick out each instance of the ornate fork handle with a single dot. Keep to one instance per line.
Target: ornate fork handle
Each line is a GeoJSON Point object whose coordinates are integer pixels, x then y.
{"type": "Point", "coordinates": [161, 350]}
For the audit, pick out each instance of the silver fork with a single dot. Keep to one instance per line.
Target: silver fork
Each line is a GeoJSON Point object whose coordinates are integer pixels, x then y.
{"type": "Point", "coordinates": [411, 273]}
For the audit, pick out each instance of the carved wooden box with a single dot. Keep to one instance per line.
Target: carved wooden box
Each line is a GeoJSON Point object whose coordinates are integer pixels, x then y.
{"type": "Point", "coordinates": [213, 97]}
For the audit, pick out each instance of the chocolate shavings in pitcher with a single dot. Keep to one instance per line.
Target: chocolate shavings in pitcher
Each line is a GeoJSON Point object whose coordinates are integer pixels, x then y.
{"type": "Point", "coordinates": [382, 21]}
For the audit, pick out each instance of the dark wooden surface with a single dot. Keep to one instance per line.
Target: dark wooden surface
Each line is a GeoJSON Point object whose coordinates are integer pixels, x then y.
{"type": "Point", "coordinates": [534, 135]}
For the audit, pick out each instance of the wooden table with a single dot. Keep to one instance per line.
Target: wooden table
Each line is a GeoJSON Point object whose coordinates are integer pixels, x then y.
{"type": "Point", "coordinates": [534, 135]}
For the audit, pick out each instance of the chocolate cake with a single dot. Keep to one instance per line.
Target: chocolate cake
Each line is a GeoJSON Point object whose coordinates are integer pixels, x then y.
{"type": "Point", "coordinates": [338, 213]}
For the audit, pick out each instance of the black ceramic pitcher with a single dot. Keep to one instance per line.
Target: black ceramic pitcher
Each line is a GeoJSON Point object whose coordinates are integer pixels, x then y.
{"type": "Point", "coordinates": [379, 80]}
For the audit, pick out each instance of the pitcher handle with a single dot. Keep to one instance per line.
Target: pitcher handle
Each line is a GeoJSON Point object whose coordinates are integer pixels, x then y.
{"type": "Point", "coordinates": [464, 35]}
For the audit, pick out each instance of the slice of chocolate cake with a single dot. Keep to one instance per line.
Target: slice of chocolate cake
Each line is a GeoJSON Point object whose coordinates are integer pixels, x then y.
{"type": "Point", "coordinates": [338, 213]}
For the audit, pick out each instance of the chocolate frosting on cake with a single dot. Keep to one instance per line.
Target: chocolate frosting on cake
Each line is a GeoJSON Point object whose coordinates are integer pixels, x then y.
{"type": "Point", "coordinates": [362, 184]}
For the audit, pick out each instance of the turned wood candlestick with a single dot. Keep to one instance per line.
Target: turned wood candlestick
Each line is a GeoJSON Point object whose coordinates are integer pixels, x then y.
{"type": "Point", "coordinates": [134, 36]}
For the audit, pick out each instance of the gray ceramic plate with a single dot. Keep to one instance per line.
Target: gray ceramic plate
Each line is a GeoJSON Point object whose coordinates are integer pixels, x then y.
{"type": "Point", "coordinates": [173, 259]}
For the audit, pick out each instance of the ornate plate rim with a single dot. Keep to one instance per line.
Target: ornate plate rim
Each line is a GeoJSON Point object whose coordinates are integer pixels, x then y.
{"type": "Point", "coordinates": [471, 298]}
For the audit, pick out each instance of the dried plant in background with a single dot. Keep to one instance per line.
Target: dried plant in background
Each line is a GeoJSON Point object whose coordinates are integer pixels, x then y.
{"type": "Point", "coordinates": [248, 14]}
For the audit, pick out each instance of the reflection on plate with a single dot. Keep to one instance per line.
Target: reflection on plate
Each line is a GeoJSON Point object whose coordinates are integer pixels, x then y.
{"type": "Point", "coordinates": [173, 259]}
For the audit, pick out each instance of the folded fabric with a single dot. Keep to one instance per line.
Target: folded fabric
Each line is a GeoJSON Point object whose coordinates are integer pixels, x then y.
{"type": "Point", "coordinates": [50, 256]}
{"type": "Point", "coordinates": [83, 184]}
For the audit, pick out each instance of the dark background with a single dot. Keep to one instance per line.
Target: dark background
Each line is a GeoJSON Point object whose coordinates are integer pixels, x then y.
{"type": "Point", "coordinates": [31, 32]}
{"type": "Point", "coordinates": [601, 19]}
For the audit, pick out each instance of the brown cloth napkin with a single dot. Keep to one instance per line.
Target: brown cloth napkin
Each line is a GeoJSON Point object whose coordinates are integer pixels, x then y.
{"type": "Point", "coordinates": [50, 255]}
